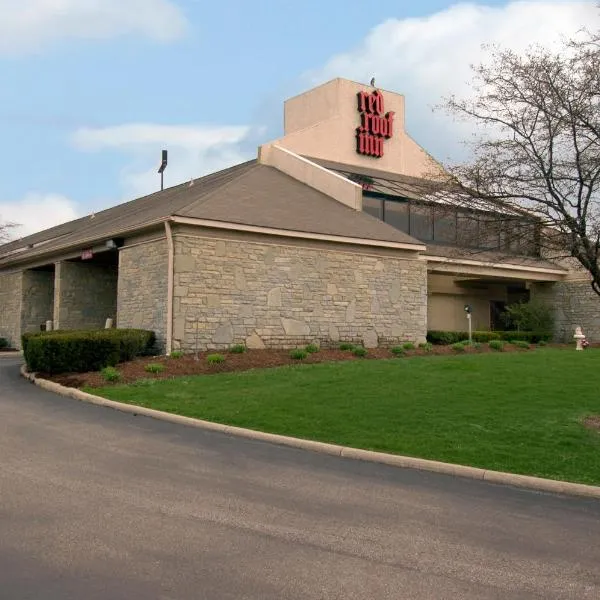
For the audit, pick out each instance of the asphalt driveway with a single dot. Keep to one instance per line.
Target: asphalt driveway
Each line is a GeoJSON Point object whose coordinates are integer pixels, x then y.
{"type": "Point", "coordinates": [97, 504]}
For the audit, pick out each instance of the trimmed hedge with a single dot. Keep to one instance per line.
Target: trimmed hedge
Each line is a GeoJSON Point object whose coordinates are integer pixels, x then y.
{"type": "Point", "coordinates": [447, 338]}
{"type": "Point", "coordinates": [3, 343]}
{"type": "Point", "coordinates": [81, 351]}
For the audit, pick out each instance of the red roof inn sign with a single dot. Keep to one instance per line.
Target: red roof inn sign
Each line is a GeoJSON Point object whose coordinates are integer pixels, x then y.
{"type": "Point", "coordinates": [375, 126]}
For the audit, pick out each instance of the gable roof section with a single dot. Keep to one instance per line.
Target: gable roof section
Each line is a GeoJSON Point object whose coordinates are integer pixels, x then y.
{"type": "Point", "coordinates": [127, 216]}
{"type": "Point", "coordinates": [266, 197]}
{"type": "Point", "coordinates": [246, 194]}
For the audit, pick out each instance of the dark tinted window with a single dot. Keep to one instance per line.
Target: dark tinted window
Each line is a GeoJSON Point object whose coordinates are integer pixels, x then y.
{"type": "Point", "coordinates": [396, 214]}
{"type": "Point", "coordinates": [373, 206]}
{"type": "Point", "coordinates": [421, 222]}
{"type": "Point", "coordinates": [444, 224]}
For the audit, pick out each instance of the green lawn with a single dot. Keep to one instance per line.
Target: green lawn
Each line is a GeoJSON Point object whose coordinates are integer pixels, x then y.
{"type": "Point", "coordinates": [518, 412]}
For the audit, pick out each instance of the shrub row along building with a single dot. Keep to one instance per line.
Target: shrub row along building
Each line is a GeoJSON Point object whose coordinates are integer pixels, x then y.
{"type": "Point", "coordinates": [323, 237]}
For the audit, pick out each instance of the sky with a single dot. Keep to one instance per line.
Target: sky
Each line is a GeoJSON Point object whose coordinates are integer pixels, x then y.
{"type": "Point", "coordinates": [92, 90]}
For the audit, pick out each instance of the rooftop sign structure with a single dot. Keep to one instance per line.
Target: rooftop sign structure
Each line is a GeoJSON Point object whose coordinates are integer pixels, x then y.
{"type": "Point", "coordinates": [375, 125]}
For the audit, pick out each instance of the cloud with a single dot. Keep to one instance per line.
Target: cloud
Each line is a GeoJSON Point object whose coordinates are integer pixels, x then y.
{"type": "Point", "coordinates": [194, 150]}
{"type": "Point", "coordinates": [36, 212]}
{"type": "Point", "coordinates": [429, 58]}
{"type": "Point", "coordinates": [29, 25]}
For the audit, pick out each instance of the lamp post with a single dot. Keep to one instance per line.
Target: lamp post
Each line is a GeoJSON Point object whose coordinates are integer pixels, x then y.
{"type": "Point", "coordinates": [468, 311]}
{"type": "Point", "coordinates": [161, 169]}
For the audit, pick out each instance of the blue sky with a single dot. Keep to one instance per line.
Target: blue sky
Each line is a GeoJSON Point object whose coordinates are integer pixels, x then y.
{"type": "Point", "coordinates": [91, 91]}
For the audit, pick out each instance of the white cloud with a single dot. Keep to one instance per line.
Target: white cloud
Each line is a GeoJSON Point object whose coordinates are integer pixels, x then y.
{"type": "Point", "coordinates": [429, 58]}
{"type": "Point", "coordinates": [193, 151]}
{"type": "Point", "coordinates": [28, 25]}
{"type": "Point", "coordinates": [36, 212]}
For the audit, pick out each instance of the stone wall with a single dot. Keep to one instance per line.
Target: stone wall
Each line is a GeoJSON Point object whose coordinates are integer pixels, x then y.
{"type": "Point", "coordinates": [38, 299]}
{"type": "Point", "coordinates": [85, 295]}
{"type": "Point", "coordinates": [575, 304]}
{"type": "Point", "coordinates": [142, 297]}
{"type": "Point", "coordinates": [278, 293]}
{"type": "Point", "coordinates": [10, 308]}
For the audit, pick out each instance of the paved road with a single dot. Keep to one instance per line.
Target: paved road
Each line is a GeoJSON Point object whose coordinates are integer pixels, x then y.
{"type": "Point", "coordinates": [99, 505]}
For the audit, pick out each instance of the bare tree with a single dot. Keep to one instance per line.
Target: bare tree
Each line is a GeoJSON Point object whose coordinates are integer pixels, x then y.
{"type": "Point", "coordinates": [5, 231]}
{"type": "Point", "coordinates": [537, 150]}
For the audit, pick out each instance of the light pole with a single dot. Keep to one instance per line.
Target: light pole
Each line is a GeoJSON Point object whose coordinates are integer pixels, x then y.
{"type": "Point", "coordinates": [161, 169]}
{"type": "Point", "coordinates": [469, 310]}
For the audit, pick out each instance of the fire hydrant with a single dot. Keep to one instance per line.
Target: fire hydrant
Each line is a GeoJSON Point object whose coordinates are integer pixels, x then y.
{"type": "Point", "coordinates": [579, 338]}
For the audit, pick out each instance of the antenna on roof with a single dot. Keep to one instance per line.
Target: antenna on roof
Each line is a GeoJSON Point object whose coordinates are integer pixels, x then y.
{"type": "Point", "coordinates": [161, 169]}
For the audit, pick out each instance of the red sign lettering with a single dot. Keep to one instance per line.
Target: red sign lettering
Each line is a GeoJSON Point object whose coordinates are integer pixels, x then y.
{"type": "Point", "coordinates": [375, 126]}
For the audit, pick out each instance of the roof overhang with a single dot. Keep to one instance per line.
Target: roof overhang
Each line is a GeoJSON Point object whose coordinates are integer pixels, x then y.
{"type": "Point", "coordinates": [288, 233]}
{"type": "Point", "coordinates": [467, 267]}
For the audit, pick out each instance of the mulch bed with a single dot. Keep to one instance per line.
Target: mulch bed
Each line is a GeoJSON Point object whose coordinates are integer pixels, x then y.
{"type": "Point", "coordinates": [251, 359]}
{"type": "Point", "coordinates": [592, 422]}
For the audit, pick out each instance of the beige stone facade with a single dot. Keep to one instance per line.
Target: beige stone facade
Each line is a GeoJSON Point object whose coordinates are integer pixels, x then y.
{"type": "Point", "coordinates": [38, 299]}
{"type": "Point", "coordinates": [142, 288]}
{"type": "Point", "coordinates": [280, 294]}
{"type": "Point", "coordinates": [85, 295]}
{"type": "Point", "coordinates": [10, 307]}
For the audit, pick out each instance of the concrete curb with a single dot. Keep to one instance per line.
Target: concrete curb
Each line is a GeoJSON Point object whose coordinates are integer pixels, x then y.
{"type": "Point", "coordinates": [394, 460]}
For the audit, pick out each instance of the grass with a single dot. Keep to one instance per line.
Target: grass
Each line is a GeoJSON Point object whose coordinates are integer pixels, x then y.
{"type": "Point", "coordinates": [517, 412]}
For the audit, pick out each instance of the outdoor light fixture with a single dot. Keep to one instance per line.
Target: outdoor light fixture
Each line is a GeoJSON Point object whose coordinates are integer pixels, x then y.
{"type": "Point", "coordinates": [469, 310]}
{"type": "Point", "coordinates": [114, 243]}
{"type": "Point", "coordinates": [163, 165]}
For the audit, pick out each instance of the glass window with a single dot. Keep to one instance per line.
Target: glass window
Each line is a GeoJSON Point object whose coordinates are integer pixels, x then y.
{"type": "Point", "coordinates": [421, 222]}
{"type": "Point", "coordinates": [489, 232]}
{"type": "Point", "coordinates": [444, 224]}
{"type": "Point", "coordinates": [467, 230]}
{"type": "Point", "coordinates": [373, 206]}
{"type": "Point", "coordinates": [396, 214]}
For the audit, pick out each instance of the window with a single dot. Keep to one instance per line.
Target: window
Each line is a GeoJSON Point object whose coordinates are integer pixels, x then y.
{"type": "Point", "coordinates": [467, 230]}
{"type": "Point", "coordinates": [421, 222]}
{"type": "Point", "coordinates": [396, 214]}
{"type": "Point", "coordinates": [444, 224]}
{"type": "Point", "coordinates": [373, 206]}
{"type": "Point", "coordinates": [489, 232]}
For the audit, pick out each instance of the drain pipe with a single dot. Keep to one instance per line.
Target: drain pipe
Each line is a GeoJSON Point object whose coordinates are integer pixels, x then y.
{"type": "Point", "coordinates": [170, 277]}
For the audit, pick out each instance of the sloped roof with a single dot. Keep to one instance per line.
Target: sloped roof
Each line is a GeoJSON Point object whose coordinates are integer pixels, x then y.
{"type": "Point", "coordinates": [246, 194]}
{"type": "Point", "coordinates": [266, 197]}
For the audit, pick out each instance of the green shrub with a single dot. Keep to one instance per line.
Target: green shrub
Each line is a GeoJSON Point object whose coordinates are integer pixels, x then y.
{"type": "Point", "coordinates": [497, 345]}
{"type": "Point", "coordinates": [359, 351]}
{"type": "Point", "coordinates": [534, 315]}
{"type": "Point", "coordinates": [298, 354]}
{"type": "Point", "coordinates": [79, 351]}
{"type": "Point", "coordinates": [176, 354]}
{"type": "Point", "coordinates": [312, 348]}
{"type": "Point", "coordinates": [477, 345]}
{"type": "Point", "coordinates": [154, 368]}
{"type": "Point", "coordinates": [408, 346]}
{"type": "Point", "coordinates": [237, 349]}
{"type": "Point", "coordinates": [542, 343]}
{"type": "Point", "coordinates": [445, 338]}
{"type": "Point", "coordinates": [426, 346]}
{"type": "Point", "coordinates": [215, 359]}
{"type": "Point", "coordinates": [483, 337]}
{"type": "Point", "coordinates": [520, 344]}
{"type": "Point", "coordinates": [110, 374]}
{"type": "Point", "coordinates": [459, 346]}
{"type": "Point", "coordinates": [346, 346]}
{"type": "Point", "coordinates": [3, 343]}
{"type": "Point", "coordinates": [533, 337]}
{"type": "Point", "coordinates": [398, 350]}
